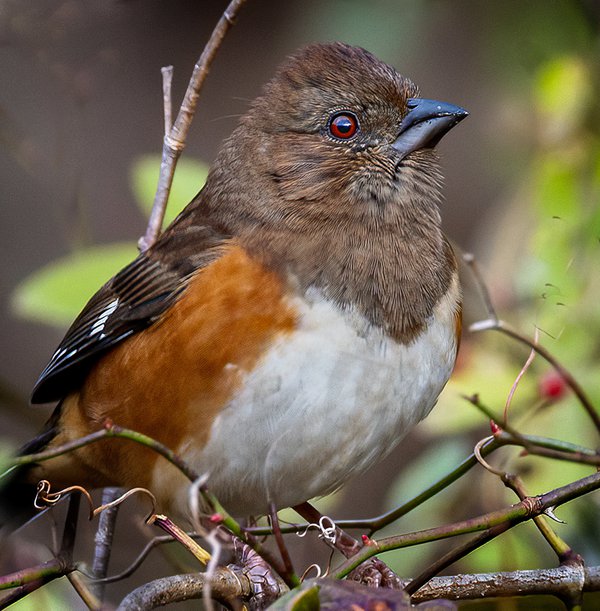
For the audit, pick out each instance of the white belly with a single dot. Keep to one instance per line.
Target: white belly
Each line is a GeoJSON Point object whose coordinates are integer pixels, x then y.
{"type": "Point", "coordinates": [324, 404]}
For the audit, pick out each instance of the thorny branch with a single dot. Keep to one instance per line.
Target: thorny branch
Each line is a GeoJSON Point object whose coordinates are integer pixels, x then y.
{"type": "Point", "coordinates": [493, 323]}
{"type": "Point", "coordinates": [520, 512]}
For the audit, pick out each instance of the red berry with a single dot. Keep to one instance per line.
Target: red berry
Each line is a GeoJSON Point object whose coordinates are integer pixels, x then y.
{"type": "Point", "coordinates": [552, 386]}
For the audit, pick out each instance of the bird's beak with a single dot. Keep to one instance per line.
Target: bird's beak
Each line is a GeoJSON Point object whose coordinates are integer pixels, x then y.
{"type": "Point", "coordinates": [425, 123]}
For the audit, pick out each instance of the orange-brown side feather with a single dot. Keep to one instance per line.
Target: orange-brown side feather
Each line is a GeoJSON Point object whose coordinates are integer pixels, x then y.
{"type": "Point", "coordinates": [171, 380]}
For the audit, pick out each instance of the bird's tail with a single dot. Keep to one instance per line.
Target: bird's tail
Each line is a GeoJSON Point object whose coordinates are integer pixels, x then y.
{"type": "Point", "coordinates": [17, 491]}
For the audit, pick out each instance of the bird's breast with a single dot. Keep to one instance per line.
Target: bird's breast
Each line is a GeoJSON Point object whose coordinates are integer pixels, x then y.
{"type": "Point", "coordinates": [324, 402]}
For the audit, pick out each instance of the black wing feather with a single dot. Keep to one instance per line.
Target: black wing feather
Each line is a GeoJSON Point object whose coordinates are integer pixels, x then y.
{"type": "Point", "coordinates": [129, 302]}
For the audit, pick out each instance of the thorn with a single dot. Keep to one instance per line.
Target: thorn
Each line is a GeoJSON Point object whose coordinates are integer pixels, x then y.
{"type": "Point", "coordinates": [550, 513]}
{"type": "Point", "coordinates": [496, 430]}
{"type": "Point", "coordinates": [216, 518]}
{"type": "Point", "coordinates": [367, 540]}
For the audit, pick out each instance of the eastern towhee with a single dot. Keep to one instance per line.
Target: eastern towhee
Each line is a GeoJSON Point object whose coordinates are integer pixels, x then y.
{"type": "Point", "coordinates": [295, 321]}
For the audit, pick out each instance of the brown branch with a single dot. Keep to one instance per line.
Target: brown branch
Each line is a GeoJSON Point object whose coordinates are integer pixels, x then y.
{"type": "Point", "coordinates": [103, 540]}
{"type": "Point", "coordinates": [563, 582]}
{"type": "Point", "coordinates": [454, 555]}
{"type": "Point", "coordinates": [174, 140]}
{"type": "Point", "coordinates": [226, 586]}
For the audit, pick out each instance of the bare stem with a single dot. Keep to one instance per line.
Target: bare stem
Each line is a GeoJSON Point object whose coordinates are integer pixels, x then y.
{"type": "Point", "coordinates": [104, 539]}
{"type": "Point", "coordinates": [512, 516]}
{"type": "Point", "coordinates": [167, 77]}
{"type": "Point", "coordinates": [175, 139]}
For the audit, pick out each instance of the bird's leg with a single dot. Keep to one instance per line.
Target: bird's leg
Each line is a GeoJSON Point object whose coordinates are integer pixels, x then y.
{"type": "Point", "coordinates": [373, 572]}
{"type": "Point", "coordinates": [285, 555]}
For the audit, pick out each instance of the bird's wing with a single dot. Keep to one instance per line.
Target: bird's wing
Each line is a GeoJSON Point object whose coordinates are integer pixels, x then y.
{"type": "Point", "coordinates": [129, 302]}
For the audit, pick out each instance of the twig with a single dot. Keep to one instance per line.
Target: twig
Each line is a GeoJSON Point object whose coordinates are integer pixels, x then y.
{"type": "Point", "coordinates": [167, 78]}
{"type": "Point", "coordinates": [85, 593]}
{"type": "Point", "coordinates": [174, 140]}
{"type": "Point", "coordinates": [156, 541]}
{"type": "Point", "coordinates": [453, 556]}
{"type": "Point", "coordinates": [103, 540]}
{"type": "Point", "coordinates": [471, 261]}
{"type": "Point", "coordinates": [166, 524]}
{"type": "Point", "coordinates": [42, 573]}
{"type": "Point", "coordinates": [110, 430]}
{"type": "Point", "coordinates": [539, 446]}
{"type": "Point", "coordinates": [570, 381]}
{"type": "Point", "coordinates": [521, 373]}
{"type": "Point", "coordinates": [514, 482]}
{"type": "Point", "coordinates": [513, 515]}
{"type": "Point", "coordinates": [495, 324]}
{"type": "Point", "coordinates": [560, 547]}
{"type": "Point", "coordinates": [290, 573]}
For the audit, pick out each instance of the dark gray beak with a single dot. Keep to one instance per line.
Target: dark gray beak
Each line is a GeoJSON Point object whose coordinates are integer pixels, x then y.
{"type": "Point", "coordinates": [425, 124]}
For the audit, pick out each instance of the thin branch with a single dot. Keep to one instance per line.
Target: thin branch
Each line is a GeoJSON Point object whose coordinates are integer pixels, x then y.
{"type": "Point", "coordinates": [167, 79]}
{"type": "Point", "coordinates": [155, 542]}
{"type": "Point", "coordinates": [520, 375]}
{"type": "Point", "coordinates": [43, 573]}
{"type": "Point", "coordinates": [563, 372]}
{"type": "Point", "coordinates": [110, 430]}
{"type": "Point", "coordinates": [453, 556]}
{"type": "Point", "coordinates": [103, 540]}
{"type": "Point", "coordinates": [91, 601]}
{"type": "Point", "coordinates": [541, 446]}
{"type": "Point", "coordinates": [495, 324]}
{"type": "Point", "coordinates": [174, 140]}
{"type": "Point", "coordinates": [513, 515]}
{"type": "Point", "coordinates": [471, 261]}
{"type": "Point", "coordinates": [179, 535]}
{"type": "Point", "coordinates": [560, 547]}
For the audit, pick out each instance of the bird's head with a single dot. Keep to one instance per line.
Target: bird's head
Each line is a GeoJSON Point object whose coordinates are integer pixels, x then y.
{"type": "Point", "coordinates": [336, 124]}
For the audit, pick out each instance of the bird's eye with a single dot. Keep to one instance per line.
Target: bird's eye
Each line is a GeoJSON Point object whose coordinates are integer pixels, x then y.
{"type": "Point", "coordinates": [343, 125]}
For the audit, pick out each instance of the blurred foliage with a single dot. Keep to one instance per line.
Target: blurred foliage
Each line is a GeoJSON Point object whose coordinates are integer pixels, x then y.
{"type": "Point", "coordinates": [56, 293]}
{"type": "Point", "coordinates": [190, 177]}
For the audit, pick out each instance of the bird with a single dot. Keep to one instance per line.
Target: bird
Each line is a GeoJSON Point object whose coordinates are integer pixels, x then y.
{"type": "Point", "coordinates": [297, 319]}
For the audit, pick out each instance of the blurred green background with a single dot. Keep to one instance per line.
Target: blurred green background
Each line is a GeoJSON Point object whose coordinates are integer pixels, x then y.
{"type": "Point", "coordinates": [80, 128]}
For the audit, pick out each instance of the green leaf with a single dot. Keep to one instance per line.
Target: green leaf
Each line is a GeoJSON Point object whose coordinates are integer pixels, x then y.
{"type": "Point", "coordinates": [305, 598]}
{"type": "Point", "coordinates": [57, 292]}
{"type": "Point", "coordinates": [190, 177]}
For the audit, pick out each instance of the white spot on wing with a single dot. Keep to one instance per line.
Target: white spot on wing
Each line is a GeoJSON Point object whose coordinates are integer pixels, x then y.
{"type": "Point", "coordinates": [100, 323]}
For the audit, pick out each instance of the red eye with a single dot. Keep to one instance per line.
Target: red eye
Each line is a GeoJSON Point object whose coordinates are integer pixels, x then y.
{"type": "Point", "coordinates": [343, 125]}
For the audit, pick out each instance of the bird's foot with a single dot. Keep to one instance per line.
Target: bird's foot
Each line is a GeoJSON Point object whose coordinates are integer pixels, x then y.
{"type": "Point", "coordinates": [376, 574]}
{"type": "Point", "coordinates": [265, 584]}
